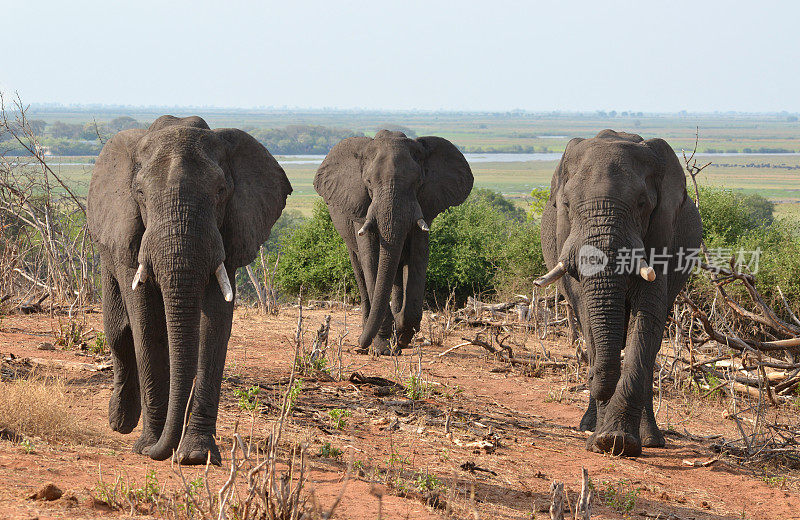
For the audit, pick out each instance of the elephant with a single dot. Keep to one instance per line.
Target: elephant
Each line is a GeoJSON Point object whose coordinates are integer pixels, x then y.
{"type": "Point", "coordinates": [616, 201]}
{"type": "Point", "coordinates": [382, 193]}
{"type": "Point", "coordinates": [174, 210]}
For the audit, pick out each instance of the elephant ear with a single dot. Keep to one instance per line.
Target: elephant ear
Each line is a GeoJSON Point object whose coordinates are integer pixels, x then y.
{"type": "Point", "coordinates": [112, 213]}
{"type": "Point", "coordinates": [338, 179]}
{"type": "Point", "coordinates": [447, 177]}
{"type": "Point", "coordinates": [670, 184]}
{"type": "Point", "coordinates": [260, 188]}
{"type": "Point", "coordinates": [561, 175]}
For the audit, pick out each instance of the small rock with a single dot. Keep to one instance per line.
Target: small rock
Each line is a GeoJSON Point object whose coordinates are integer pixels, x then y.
{"type": "Point", "coordinates": [48, 492]}
{"type": "Point", "coordinates": [46, 346]}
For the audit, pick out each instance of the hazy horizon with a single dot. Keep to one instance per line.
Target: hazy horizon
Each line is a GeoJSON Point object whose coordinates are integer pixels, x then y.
{"type": "Point", "coordinates": [299, 109]}
{"type": "Point", "coordinates": [714, 57]}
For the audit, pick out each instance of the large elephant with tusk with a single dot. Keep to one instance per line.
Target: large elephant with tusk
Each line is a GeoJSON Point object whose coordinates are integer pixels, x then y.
{"type": "Point", "coordinates": [619, 234]}
{"type": "Point", "coordinates": [174, 210]}
{"type": "Point", "coordinates": [382, 194]}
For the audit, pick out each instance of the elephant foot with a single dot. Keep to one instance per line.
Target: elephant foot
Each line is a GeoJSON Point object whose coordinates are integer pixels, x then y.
{"type": "Point", "coordinates": [651, 435]}
{"type": "Point", "coordinates": [383, 347]}
{"type": "Point", "coordinates": [124, 409]}
{"type": "Point", "coordinates": [195, 450]}
{"type": "Point", "coordinates": [589, 420]}
{"type": "Point", "coordinates": [146, 440]}
{"type": "Point", "coordinates": [161, 450]}
{"type": "Point", "coordinates": [615, 442]}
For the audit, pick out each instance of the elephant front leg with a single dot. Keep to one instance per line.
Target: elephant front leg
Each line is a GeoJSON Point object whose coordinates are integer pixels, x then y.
{"type": "Point", "coordinates": [361, 283]}
{"type": "Point", "coordinates": [215, 330]}
{"type": "Point", "coordinates": [411, 287]}
{"type": "Point", "coordinates": [124, 406]}
{"type": "Point", "coordinates": [649, 432]}
{"type": "Point", "coordinates": [620, 419]}
{"type": "Point", "coordinates": [382, 344]}
{"type": "Point", "coordinates": [589, 419]}
{"type": "Point", "coordinates": [148, 327]}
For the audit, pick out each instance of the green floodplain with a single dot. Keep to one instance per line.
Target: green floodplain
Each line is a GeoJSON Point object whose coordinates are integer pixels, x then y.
{"type": "Point", "coordinates": [754, 153]}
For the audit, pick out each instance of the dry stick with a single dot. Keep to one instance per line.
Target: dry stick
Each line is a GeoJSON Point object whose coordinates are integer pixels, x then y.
{"type": "Point", "coordinates": [454, 348]}
{"type": "Point", "coordinates": [714, 389]}
{"type": "Point", "coordinates": [185, 418]}
{"type": "Point", "coordinates": [262, 302]}
{"type": "Point", "coordinates": [786, 306]}
{"type": "Point", "coordinates": [583, 508]}
{"type": "Point", "coordinates": [225, 491]}
{"type": "Point", "coordinates": [557, 502]}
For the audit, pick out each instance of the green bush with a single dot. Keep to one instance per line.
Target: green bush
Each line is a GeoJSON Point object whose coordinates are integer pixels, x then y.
{"type": "Point", "coordinates": [481, 246]}
{"type": "Point", "coordinates": [314, 257]}
{"type": "Point", "coordinates": [734, 222]}
{"type": "Point", "coordinates": [539, 198]}
{"type": "Point", "coordinates": [778, 262]}
{"type": "Point", "coordinates": [499, 203]}
{"type": "Point", "coordinates": [728, 215]}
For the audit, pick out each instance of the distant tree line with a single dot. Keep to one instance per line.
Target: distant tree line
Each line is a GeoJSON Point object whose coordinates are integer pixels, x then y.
{"type": "Point", "coordinates": [508, 148]}
{"type": "Point", "coordinates": [301, 139]}
{"type": "Point", "coordinates": [60, 138]}
{"type": "Point", "coordinates": [762, 149]}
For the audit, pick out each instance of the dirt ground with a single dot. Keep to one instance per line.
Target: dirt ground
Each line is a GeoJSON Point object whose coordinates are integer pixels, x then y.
{"type": "Point", "coordinates": [512, 432]}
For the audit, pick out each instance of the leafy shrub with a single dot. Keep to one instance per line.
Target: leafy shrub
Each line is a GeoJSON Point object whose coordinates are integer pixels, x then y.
{"type": "Point", "coordinates": [779, 260]}
{"type": "Point", "coordinates": [314, 257]}
{"type": "Point", "coordinates": [539, 197]}
{"type": "Point", "coordinates": [733, 222]}
{"type": "Point", "coordinates": [728, 214]}
{"type": "Point", "coordinates": [499, 203]}
{"type": "Point", "coordinates": [481, 246]}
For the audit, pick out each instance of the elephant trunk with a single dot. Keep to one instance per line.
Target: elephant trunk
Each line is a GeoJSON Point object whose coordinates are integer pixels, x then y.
{"type": "Point", "coordinates": [184, 254]}
{"type": "Point", "coordinates": [605, 299]}
{"type": "Point", "coordinates": [604, 289]}
{"type": "Point", "coordinates": [182, 308]}
{"type": "Point", "coordinates": [394, 222]}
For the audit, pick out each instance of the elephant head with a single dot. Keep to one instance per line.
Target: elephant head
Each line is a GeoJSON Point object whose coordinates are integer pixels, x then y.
{"type": "Point", "coordinates": [613, 192]}
{"type": "Point", "coordinates": [184, 205]}
{"type": "Point", "coordinates": [389, 186]}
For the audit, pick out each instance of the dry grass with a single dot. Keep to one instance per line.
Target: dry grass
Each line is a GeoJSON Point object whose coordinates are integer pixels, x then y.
{"type": "Point", "coordinates": [34, 406]}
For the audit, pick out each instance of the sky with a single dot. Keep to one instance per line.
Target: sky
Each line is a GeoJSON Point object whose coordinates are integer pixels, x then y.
{"type": "Point", "coordinates": [700, 56]}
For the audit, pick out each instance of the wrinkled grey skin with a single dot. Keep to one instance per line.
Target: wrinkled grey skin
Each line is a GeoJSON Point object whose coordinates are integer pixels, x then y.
{"type": "Point", "coordinates": [618, 191]}
{"type": "Point", "coordinates": [179, 199]}
{"type": "Point", "coordinates": [391, 181]}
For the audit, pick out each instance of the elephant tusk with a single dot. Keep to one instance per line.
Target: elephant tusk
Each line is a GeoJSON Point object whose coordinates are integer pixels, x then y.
{"type": "Point", "coordinates": [140, 277]}
{"type": "Point", "coordinates": [555, 273]}
{"type": "Point", "coordinates": [224, 283]}
{"type": "Point", "coordinates": [423, 225]}
{"type": "Point", "coordinates": [369, 224]}
{"type": "Point", "coordinates": [645, 271]}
